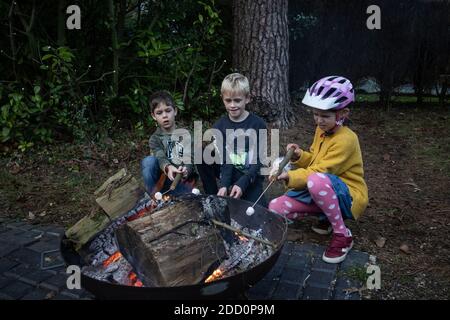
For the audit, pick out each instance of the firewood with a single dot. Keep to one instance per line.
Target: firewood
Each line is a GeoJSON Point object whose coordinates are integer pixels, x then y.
{"type": "Point", "coordinates": [116, 196]}
{"type": "Point", "coordinates": [175, 245]}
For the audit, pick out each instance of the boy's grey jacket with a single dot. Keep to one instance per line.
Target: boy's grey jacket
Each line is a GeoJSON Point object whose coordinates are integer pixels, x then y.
{"type": "Point", "coordinates": [167, 150]}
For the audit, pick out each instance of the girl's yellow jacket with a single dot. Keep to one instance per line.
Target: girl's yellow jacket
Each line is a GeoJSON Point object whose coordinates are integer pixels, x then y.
{"type": "Point", "coordinates": [338, 154]}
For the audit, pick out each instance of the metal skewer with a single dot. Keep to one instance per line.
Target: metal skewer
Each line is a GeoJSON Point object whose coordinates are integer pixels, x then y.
{"type": "Point", "coordinates": [273, 178]}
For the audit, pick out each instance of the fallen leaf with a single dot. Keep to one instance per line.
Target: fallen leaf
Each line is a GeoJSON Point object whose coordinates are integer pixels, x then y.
{"type": "Point", "coordinates": [380, 242]}
{"type": "Point", "coordinates": [412, 184]}
{"type": "Point", "coordinates": [31, 215]}
{"type": "Point", "coordinates": [50, 295]}
{"type": "Point", "coordinates": [15, 168]}
{"type": "Point", "coordinates": [404, 248]}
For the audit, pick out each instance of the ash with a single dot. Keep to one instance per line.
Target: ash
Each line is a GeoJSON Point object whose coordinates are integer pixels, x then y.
{"type": "Point", "coordinates": [117, 272]}
{"type": "Point", "coordinates": [105, 245]}
{"type": "Point", "coordinates": [246, 253]}
{"type": "Point", "coordinates": [242, 254]}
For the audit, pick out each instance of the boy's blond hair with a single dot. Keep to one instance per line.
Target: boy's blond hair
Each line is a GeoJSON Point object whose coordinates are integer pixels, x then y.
{"type": "Point", "coordinates": [235, 82]}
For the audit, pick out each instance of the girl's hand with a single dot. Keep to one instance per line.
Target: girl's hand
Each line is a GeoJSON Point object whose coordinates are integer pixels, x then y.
{"type": "Point", "coordinates": [284, 176]}
{"type": "Point", "coordinates": [297, 151]}
{"type": "Point", "coordinates": [222, 192]}
{"type": "Point", "coordinates": [236, 192]}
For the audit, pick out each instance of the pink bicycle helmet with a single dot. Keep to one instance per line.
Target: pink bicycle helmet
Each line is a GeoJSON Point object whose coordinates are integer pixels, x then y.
{"type": "Point", "coordinates": [330, 93]}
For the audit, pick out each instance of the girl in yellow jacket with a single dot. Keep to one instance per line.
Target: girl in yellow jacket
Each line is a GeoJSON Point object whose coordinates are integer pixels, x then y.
{"type": "Point", "coordinates": [327, 180]}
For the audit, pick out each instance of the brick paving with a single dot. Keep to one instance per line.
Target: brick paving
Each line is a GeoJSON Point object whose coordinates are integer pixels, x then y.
{"type": "Point", "coordinates": [31, 268]}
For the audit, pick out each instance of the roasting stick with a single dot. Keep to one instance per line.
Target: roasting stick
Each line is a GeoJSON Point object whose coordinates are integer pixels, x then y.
{"type": "Point", "coordinates": [158, 195]}
{"type": "Point", "coordinates": [283, 163]}
{"type": "Point", "coordinates": [245, 234]}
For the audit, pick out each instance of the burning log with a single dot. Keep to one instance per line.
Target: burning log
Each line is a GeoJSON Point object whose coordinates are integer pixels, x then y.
{"type": "Point", "coordinates": [176, 245]}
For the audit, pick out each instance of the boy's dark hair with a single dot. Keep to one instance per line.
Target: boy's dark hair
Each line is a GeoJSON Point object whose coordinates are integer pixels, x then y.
{"type": "Point", "coordinates": [161, 96]}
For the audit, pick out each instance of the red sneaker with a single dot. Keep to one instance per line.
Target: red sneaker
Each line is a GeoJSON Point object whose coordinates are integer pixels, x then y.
{"type": "Point", "coordinates": [339, 246]}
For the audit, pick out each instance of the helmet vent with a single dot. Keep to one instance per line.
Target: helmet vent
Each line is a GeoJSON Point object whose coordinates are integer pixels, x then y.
{"type": "Point", "coordinates": [329, 93]}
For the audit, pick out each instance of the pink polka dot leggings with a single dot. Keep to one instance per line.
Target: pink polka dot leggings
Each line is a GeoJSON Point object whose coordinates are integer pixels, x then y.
{"type": "Point", "coordinates": [324, 201]}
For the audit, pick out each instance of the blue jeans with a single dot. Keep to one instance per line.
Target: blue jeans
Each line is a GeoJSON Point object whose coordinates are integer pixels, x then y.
{"type": "Point", "coordinates": [152, 173]}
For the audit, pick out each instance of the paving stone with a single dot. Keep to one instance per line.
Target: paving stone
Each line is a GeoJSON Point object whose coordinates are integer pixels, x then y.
{"type": "Point", "coordinates": [60, 296]}
{"type": "Point", "coordinates": [36, 277]}
{"type": "Point", "coordinates": [286, 291]}
{"type": "Point", "coordinates": [342, 292]}
{"type": "Point", "coordinates": [4, 281]}
{"type": "Point", "coordinates": [18, 271]}
{"type": "Point", "coordinates": [26, 256]}
{"type": "Point", "coordinates": [43, 246]}
{"type": "Point", "coordinates": [56, 283]}
{"type": "Point", "coordinates": [17, 290]}
{"type": "Point", "coordinates": [23, 226]}
{"type": "Point", "coordinates": [321, 279]}
{"type": "Point", "coordinates": [39, 294]}
{"type": "Point", "coordinates": [5, 236]}
{"type": "Point", "coordinates": [6, 264]}
{"type": "Point", "coordinates": [6, 248]}
{"type": "Point", "coordinates": [299, 261]}
{"type": "Point", "coordinates": [52, 260]}
{"type": "Point", "coordinates": [51, 230]}
{"type": "Point", "coordinates": [320, 265]}
{"type": "Point", "coordinates": [19, 237]}
{"type": "Point", "coordinates": [293, 275]}
{"type": "Point", "coordinates": [311, 250]}
{"type": "Point", "coordinates": [315, 293]}
{"type": "Point", "coordinates": [354, 259]}
{"type": "Point", "coordinates": [288, 247]}
{"type": "Point", "coordinates": [277, 269]}
{"type": "Point", "coordinates": [73, 293]}
{"type": "Point", "coordinates": [3, 228]}
{"type": "Point", "coordinates": [262, 290]}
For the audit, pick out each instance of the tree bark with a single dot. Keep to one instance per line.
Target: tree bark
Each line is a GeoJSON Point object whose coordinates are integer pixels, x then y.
{"type": "Point", "coordinates": [261, 52]}
{"type": "Point", "coordinates": [114, 45]}
{"type": "Point", "coordinates": [61, 23]}
{"type": "Point", "coordinates": [171, 247]}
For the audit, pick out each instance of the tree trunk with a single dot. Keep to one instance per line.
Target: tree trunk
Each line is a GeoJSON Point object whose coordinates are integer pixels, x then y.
{"type": "Point", "coordinates": [61, 23]}
{"type": "Point", "coordinates": [261, 52]}
{"type": "Point", "coordinates": [115, 46]}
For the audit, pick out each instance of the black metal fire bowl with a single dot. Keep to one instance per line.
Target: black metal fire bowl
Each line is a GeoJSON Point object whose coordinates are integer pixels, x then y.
{"type": "Point", "coordinates": [274, 228]}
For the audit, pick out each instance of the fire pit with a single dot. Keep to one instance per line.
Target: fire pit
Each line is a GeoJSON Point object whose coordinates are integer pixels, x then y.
{"type": "Point", "coordinates": [108, 275]}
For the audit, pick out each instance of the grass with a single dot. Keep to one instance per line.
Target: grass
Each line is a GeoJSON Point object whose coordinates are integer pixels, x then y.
{"type": "Point", "coordinates": [357, 273]}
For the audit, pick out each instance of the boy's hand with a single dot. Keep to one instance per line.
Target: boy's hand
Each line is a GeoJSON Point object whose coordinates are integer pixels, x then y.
{"type": "Point", "coordinates": [284, 176]}
{"type": "Point", "coordinates": [184, 171]}
{"type": "Point", "coordinates": [297, 151]}
{"type": "Point", "coordinates": [236, 192]}
{"type": "Point", "coordinates": [222, 192]}
{"type": "Point", "coordinates": [172, 171]}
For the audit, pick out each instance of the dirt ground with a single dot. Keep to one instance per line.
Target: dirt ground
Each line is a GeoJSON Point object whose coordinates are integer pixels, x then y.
{"type": "Point", "coordinates": [406, 154]}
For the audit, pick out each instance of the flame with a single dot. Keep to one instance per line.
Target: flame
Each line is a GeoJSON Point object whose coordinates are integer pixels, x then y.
{"type": "Point", "coordinates": [241, 237]}
{"type": "Point", "coordinates": [217, 274]}
{"type": "Point", "coordinates": [140, 213]}
{"type": "Point", "coordinates": [135, 282]}
{"type": "Point", "coordinates": [113, 258]}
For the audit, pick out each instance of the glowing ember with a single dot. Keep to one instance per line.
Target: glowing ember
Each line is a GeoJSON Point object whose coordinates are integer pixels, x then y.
{"type": "Point", "coordinates": [166, 198]}
{"type": "Point", "coordinates": [241, 237]}
{"type": "Point", "coordinates": [113, 258]}
{"type": "Point", "coordinates": [134, 280]}
{"type": "Point", "coordinates": [217, 274]}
